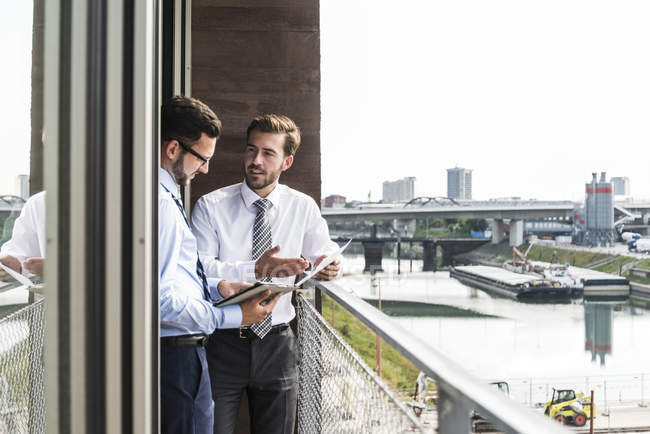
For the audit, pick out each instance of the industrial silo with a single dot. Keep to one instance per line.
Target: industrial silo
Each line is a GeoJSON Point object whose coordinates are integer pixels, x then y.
{"type": "Point", "coordinates": [590, 203]}
{"type": "Point", "coordinates": [605, 204]}
{"type": "Point", "coordinates": [599, 208]}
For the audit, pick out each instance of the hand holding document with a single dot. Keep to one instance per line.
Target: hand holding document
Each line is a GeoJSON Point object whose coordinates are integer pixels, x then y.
{"type": "Point", "coordinates": [276, 288]}
{"type": "Point", "coordinates": [324, 263]}
{"type": "Point", "coordinates": [19, 277]}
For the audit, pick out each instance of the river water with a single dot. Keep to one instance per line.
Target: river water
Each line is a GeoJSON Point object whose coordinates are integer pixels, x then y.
{"type": "Point", "coordinates": [534, 346]}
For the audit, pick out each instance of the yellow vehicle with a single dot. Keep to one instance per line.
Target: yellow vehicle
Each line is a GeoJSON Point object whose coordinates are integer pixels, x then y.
{"type": "Point", "coordinates": [569, 408]}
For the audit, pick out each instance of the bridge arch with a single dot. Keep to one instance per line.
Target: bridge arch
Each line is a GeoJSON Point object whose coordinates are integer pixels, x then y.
{"type": "Point", "coordinates": [424, 200]}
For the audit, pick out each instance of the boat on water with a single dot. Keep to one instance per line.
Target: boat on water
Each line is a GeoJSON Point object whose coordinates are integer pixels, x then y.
{"type": "Point", "coordinates": [601, 286]}
{"type": "Point", "coordinates": [561, 274]}
{"type": "Point", "coordinates": [591, 284]}
{"type": "Point", "coordinates": [508, 283]}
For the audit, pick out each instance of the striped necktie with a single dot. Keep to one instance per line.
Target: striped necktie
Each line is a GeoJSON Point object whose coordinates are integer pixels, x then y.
{"type": "Point", "coordinates": [199, 266]}
{"type": "Point", "coordinates": [262, 243]}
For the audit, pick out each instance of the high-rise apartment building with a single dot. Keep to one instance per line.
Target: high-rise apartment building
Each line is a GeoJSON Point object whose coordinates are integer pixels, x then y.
{"type": "Point", "coordinates": [459, 183]}
{"type": "Point", "coordinates": [401, 190]}
{"type": "Point", "coordinates": [621, 185]}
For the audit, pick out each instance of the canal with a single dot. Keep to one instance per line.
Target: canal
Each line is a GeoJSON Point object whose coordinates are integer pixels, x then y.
{"type": "Point", "coordinates": [534, 346]}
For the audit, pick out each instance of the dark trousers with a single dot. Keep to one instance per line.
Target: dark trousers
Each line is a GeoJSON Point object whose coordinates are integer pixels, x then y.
{"type": "Point", "coordinates": [265, 369]}
{"type": "Point", "coordinates": [185, 398]}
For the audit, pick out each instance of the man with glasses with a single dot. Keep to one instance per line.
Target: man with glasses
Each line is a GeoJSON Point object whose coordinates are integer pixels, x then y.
{"type": "Point", "coordinates": [189, 132]}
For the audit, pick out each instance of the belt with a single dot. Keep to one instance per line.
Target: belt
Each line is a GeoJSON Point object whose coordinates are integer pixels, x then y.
{"type": "Point", "coordinates": [184, 341]}
{"type": "Point", "coordinates": [248, 333]}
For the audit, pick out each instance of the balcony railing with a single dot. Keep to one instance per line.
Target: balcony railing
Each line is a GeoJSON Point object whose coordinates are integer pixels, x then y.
{"type": "Point", "coordinates": [338, 392]}
{"type": "Point", "coordinates": [338, 397]}
{"type": "Point", "coordinates": [22, 403]}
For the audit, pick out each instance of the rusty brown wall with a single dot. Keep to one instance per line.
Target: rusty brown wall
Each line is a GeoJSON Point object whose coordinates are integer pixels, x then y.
{"type": "Point", "coordinates": [258, 56]}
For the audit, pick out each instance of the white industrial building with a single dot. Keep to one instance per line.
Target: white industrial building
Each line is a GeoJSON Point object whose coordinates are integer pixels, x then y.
{"type": "Point", "coordinates": [401, 190]}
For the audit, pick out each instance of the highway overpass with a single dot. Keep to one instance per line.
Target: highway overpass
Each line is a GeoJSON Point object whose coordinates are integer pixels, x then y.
{"type": "Point", "coordinates": [515, 213]}
{"type": "Point", "coordinates": [563, 211]}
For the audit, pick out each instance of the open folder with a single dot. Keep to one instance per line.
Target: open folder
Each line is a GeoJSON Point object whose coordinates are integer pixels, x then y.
{"type": "Point", "coordinates": [276, 288]}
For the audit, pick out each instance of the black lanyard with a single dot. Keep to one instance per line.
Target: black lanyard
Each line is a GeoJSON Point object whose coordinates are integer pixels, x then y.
{"type": "Point", "coordinates": [199, 266]}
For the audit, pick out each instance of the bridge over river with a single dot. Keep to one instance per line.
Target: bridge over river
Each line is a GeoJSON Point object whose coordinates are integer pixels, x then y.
{"type": "Point", "coordinates": [516, 213]}
{"type": "Point", "coordinates": [373, 250]}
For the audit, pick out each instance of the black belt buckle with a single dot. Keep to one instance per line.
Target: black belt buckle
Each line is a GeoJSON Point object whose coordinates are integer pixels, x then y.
{"type": "Point", "coordinates": [203, 341]}
{"type": "Point", "coordinates": [243, 332]}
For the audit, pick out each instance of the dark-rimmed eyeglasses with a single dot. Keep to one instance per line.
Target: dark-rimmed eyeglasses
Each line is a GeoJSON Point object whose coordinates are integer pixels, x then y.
{"type": "Point", "coordinates": [204, 160]}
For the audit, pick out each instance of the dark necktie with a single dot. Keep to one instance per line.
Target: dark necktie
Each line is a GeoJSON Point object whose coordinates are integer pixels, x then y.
{"type": "Point", "coordinates": [262, 243]}
{"type": "Point", "coordinates": [199, 266]}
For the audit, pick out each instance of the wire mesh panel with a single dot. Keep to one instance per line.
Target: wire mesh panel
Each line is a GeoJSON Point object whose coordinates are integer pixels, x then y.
{"type": "Point", "coordinates": [22, 407]}
{"type": "Point", "coordinates": [337, 391]}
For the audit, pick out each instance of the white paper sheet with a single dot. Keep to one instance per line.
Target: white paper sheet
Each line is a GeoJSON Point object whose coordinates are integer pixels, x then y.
{"type": "Point", "coordinates": [19, 277]}
{"type": "Point", "coordinates": [324, 263]}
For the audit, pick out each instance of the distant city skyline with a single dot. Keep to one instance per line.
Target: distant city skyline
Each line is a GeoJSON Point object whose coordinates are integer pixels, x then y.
{"type": "Point", "coordinates": [416, 89]}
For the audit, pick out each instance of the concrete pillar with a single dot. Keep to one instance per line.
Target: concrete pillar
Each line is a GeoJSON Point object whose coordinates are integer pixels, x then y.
{"type": "Point", "coordinates": [516, 232]}
{"type": "Point", "coordinates": [429, 256]}
{"type": "Point", "coordinates": [373, 254]}
{"type": "Point", "coordinates": [278, 72]}
{"type": "Point", "coordinates": [447, 256]}
{"type": "Point", "coordinates": [497, 231]}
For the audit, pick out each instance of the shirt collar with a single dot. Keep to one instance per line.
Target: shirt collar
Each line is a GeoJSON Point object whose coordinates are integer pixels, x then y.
{"type": "Point", "coordinates": [250, 196]}
{"type": "Point", "coordinates": [167, 181]}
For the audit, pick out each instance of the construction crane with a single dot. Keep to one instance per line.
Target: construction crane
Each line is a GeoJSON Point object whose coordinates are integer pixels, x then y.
{"type": "Point", "coordinates": [525, 265]}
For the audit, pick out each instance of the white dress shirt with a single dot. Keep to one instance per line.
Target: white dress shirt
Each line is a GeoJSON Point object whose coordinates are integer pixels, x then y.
{"type": "Point", "coordinates": [222, 222]}
{"type": "Point", "coordinates": [28, 236]}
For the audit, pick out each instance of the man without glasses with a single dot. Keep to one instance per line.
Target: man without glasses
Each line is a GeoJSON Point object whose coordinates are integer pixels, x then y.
{"type": "Point", "coordinates": [25, 251]}
{"type": "Point", "coordinates": [240, 229]}
{"type": "Point", "coordinates": [189, 132]}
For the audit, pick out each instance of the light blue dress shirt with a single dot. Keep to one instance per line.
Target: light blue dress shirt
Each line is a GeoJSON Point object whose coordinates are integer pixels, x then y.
{"type": "Point", "coordinates": [183, 308]}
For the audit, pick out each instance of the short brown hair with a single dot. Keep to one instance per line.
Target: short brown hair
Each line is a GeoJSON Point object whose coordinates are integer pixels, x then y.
{"type": "Point", "coordinates": [278, 124]}
{"type": "Point", "coordinates": [184, 118]}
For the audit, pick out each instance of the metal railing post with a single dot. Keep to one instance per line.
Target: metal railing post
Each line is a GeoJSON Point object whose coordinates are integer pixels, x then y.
{"type": "Point", "coordinates": [606, 413]}
{"type": "Point", "coordinates": [642, 404]}
{"type": "Point", "coordinates": [36, 410]}
{"type": "Point", "coordinates": [591, 413]}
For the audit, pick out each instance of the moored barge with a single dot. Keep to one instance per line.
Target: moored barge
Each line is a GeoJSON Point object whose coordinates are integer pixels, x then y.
{"type": "Point", "coordinates": [508, 283]}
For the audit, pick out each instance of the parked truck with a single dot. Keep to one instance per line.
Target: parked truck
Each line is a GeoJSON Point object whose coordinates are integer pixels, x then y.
{"type": "Point", "coordinates": [641, 245]}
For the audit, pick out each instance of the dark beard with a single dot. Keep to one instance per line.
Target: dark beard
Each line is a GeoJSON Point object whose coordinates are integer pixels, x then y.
{"type": "Point", "coordinates": [269, 179]}
{"type": "Point", "coordinates": [178, 171]}
{"type": "Point", "coordinates": [260, 184]}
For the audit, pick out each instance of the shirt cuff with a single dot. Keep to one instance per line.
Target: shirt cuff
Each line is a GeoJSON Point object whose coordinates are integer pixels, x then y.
{"type": "Point", "coordinates": [247, 271]}
{"type": "Point", "coordinates": [232, 316]}
{"type": "Point", "coordinates": [213, 284]}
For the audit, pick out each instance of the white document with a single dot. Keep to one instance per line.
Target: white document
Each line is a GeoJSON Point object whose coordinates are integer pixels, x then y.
{"type": "Point", "coordinates": [276, 288]}
{"type": "Point", "coordinates": [324, 263]}
{"type": "Point", "coordinates": [19, 277]}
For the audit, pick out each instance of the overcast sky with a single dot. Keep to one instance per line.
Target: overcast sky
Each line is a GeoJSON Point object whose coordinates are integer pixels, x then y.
{"type": "Point", "coordinates": [533, 96]}
{"type": "Point", "coordinates": [15, 75]}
